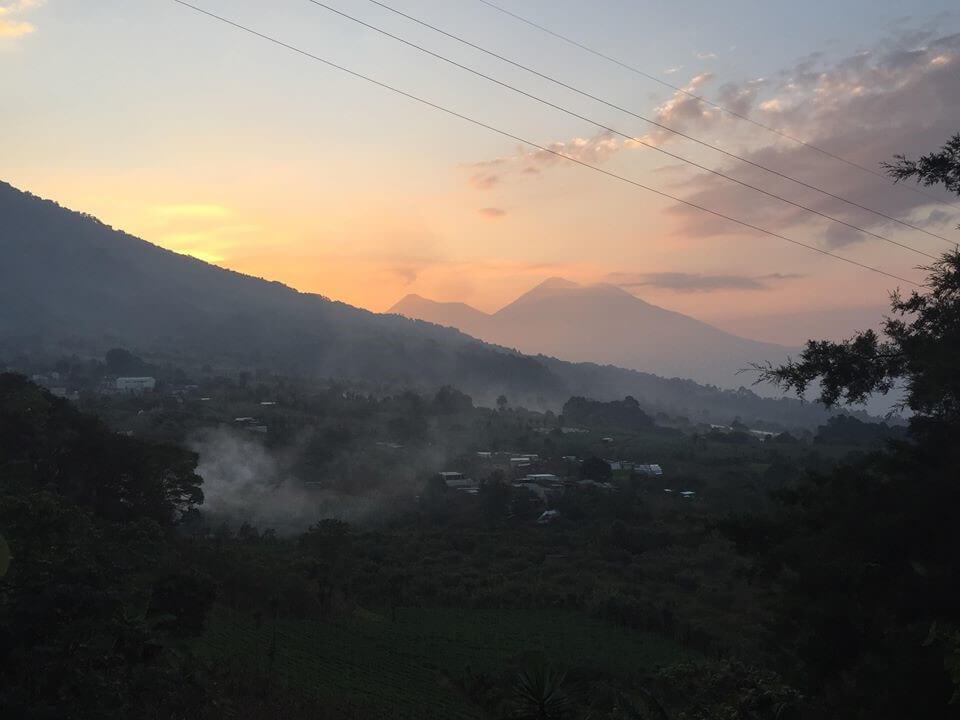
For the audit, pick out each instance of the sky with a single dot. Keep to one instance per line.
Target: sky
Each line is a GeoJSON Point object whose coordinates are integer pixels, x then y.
{"type": "Point", "coordinates": [209, 141]}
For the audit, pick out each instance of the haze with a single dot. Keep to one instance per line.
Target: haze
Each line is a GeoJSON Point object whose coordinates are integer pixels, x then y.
{"type": "Point", "coordinates": [208, 142]}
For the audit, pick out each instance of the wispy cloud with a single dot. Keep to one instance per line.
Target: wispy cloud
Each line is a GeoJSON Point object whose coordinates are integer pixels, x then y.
{"type": "Point", "coordinates": [697, 282]}
{"type": "Point", "coordinates": [594, 150]}
{"type": "Point", "coordinates": [863, 107]}
{"type": "Point", "coordinates": [492, 212]}
{"type": "Point", "coordinates": [484, 181]}
{"type": "Point", "coordinates": [10, 24]}
{"type": "Point", "coordinates": [705, 56]}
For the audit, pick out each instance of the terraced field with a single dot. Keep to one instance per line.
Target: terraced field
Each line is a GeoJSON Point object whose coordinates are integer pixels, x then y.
{"type": "Point", "coordinates": [410, 668]}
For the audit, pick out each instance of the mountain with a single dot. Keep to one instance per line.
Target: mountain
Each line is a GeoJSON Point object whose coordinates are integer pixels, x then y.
{"type": "Point", "coordinates": [71, 285]}
{"type": "Point", "coordinates": [607, 325]}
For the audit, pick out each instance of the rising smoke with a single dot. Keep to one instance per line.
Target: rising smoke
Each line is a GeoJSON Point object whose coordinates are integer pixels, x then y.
{"type": "Point", "coordinates": [244, 482]}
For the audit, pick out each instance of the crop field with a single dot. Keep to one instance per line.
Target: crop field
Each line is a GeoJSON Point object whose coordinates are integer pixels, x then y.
{"type": "Point", "coordinates": [412, 667]}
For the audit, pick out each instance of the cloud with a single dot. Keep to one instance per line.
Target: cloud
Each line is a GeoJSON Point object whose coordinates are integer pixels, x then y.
{"type": "Point", "coordinates": [896, 97]}
{"type": "Point", "coordinates": [706, 56]}
{"type": "Point", "coordinates": [484, 181]}
{"type": "Point", "coordinates": [10, 26]}
{"type": "Point", "coordinates": [672, 70]}
{"type": "Point", "coordinates": [492, 212]}
{"type": "Point", "coordinates": [594, 150]}
{"type": "Point", "coordinates": [697, 282]}
{"type": "Point", "coordinates": [677, 112]}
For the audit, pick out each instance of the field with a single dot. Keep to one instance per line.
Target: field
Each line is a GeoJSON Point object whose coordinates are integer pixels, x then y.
{"type": "Point", "coordinates": [416, 666]}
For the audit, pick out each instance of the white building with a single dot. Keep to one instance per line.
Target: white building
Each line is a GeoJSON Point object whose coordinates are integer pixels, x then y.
{"type": "Point", "coordinates": [136, 384]}
{"type": "Point", "coordinates": [457, 481]}
{"type": "Point", "coordinates": [651, 470]}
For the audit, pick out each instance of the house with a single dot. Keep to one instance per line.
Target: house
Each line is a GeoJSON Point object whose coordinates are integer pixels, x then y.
{"type": "Point", "coordinates": [457, 481]}
{"type": "Point", "coordinates": [652, 470]}
{"type": "Point", "coordinates": [135, 384]}
{"type": "Point", "coordinates": [484, 454]}
{"type": "Point", "coordinates": [688, 494]}
{"type": "Point", "coordinates": [543, 478]}
{"type": "Point", "coordinates": [607, 440]}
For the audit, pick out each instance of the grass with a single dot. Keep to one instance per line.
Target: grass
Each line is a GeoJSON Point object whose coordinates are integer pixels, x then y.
{"type": "Point", "coordinates": [413, 667]}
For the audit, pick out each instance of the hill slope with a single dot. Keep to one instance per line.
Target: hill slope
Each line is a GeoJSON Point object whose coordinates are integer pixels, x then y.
{"type": "Point", "coordinates": [71, 284]}
{"type": "Point", "coordinates": [604, 324]}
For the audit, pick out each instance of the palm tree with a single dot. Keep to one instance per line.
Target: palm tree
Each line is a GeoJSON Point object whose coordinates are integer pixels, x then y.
{"type": "Point", "coordinates": [540, 694]}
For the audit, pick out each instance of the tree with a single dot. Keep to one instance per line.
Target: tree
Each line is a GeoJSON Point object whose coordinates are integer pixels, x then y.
{"type": "Point", "coordinates": [450, 401]}
{"type": "Point", "coordinates": [864, 555]}
{"type": "Point", "coordinates": [97, 596]}
{"type": "Point", "coordinates": [594, 468]}
{"type": "Point", "coordinates": [494, 495]}
{"type": "Point", "coordinates": [124, 362]}
{"type": "Point", "coordinates": [540, 694]}
{"type": "Point", "coordinates": [937, 168]}
{"type": "Point", "coordinates": [502, 403]}
{"type": "Point", "coordinates": [918, 348]}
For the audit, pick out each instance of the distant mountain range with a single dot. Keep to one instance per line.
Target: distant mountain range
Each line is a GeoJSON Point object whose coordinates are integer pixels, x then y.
{"type": "Point", "coordinates": [69, 284]}
{"type": "Point", "coordinates": [607, 325]}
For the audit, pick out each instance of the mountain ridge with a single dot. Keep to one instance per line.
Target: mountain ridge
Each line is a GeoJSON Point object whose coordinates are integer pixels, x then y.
{"type": "Point", "coordinates": [72, 285]}
{"type": "Point", "coordinates": [565, 319]}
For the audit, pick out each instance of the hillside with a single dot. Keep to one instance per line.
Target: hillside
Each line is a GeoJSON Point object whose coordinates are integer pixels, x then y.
{"type": "Point", "coordinates": [607, 325]}
{"type": "Point", "coordinates": [69, 284]}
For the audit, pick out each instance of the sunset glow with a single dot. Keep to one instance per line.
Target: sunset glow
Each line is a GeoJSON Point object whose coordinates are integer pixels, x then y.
{"type": "Point", "coordinates": [283, 169]}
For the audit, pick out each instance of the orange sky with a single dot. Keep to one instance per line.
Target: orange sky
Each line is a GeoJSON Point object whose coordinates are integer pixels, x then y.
{"type": "Point", "coordinates": [242, 154]}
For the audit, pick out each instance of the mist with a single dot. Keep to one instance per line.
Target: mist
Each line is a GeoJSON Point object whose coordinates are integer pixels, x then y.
{"type": "Point", "coordinates": [244, 482]}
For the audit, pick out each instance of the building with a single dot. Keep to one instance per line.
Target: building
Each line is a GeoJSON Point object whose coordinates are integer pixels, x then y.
{"type": "Point", "coordinates": [457, 481]}
{"type": "Point", "coordinates": [652, 470]}
{"type": "Point", "coordinates": [136, 384]}
{"type": "Point", "coordinates": [543, 478]}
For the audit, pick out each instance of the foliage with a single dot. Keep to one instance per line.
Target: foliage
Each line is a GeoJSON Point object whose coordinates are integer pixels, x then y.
{"type": "Point", "coordinates": [919, 350]}
{"type": "Point", "coordinates": [539, 694]}
{"type": "Point", "coordinates": [624, 413]}
{"type": "Point", "coordinates": [594, 468]}
{"type": "Point", "coordinates": [94, 604]}
{"type": "Point", "coordinates": [862, 555]}
{"type": "Point", "coordinates": [937, 168]}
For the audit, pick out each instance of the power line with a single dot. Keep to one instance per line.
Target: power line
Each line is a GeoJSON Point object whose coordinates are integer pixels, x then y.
{"type": "Point", "coordinates": [704, 100]}
{"type": "Point", "coordinates": [543, 148]}
{"type": "Point", "coordinates": [614, 131]}
{"type": "Point", "coordinates": [648, 120]}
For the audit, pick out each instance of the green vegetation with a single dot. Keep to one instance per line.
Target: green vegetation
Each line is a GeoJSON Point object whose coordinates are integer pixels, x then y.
{"type": "Point", "coordinates": [427, 661]}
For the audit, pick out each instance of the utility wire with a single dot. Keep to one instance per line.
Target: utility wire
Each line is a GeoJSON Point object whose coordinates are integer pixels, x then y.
{"type": "Point", "coordinates": [614, 131]}
{"type": "Point", "coordinates": [655, 123]}
{"type": "Point", "coordinates": [543, 148]}
{"type": "Point", "coordinates": [704, 100]}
